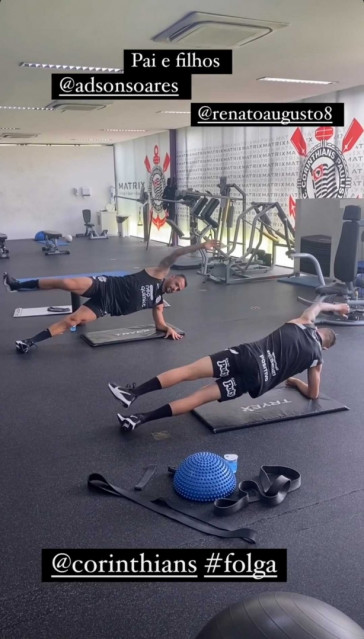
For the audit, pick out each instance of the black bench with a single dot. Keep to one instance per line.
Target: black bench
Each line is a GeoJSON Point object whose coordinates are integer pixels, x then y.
{"type": "Point", "coordinates": [51, 244]}
{"type": "Point", "coordinates": [4, 252]}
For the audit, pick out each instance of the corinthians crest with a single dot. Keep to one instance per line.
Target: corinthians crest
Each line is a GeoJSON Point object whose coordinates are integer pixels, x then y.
{"type": "Point", "coordinates": [156, 186]}
{"type": "Point", "coordinates": [325, 173]}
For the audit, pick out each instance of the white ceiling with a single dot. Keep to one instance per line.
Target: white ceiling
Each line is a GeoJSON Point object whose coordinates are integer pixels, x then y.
{"type": "Point", "coordinates": [324, 41]}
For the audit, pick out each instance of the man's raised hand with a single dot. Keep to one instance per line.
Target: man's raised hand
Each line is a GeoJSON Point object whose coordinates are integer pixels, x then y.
{"type": "Point", "coordinates": [342, 309]}
{"type": "Point", "coordinates": [210, 244]}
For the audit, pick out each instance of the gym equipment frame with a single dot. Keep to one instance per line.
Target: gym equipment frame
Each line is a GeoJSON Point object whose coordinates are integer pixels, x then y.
{"type": "Point", "coordinates": [347, 286]}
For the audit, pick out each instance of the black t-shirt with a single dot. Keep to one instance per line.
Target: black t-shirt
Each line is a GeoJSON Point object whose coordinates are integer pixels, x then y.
{"type": "Point", "coordinates": [132, 293]}
{"type": "Point", "coordinates": [289, 350]}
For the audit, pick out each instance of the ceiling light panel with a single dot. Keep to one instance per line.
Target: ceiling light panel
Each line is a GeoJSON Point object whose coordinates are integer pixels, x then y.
{"type": "Point", "coordinates": [296, 81]}
{"type": "Point", "coordinates": [69, 67]}
{"type": "Point", "coordinates": [124, 130]}
{"type": "Point", "coordinates": [176, 112]}
{"type": "Point", "coordinates": [25, 108]}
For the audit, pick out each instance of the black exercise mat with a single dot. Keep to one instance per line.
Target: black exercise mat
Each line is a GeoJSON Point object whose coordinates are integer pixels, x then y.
{"type": "Point", "coordinates": [127, 334]}
{"type": "Point", "coordinates": [279, 404]}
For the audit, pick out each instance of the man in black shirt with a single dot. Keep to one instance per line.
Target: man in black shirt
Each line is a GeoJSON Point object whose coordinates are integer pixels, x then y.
{"type": "Point", "coordinates": [251, 368]}
{"type": "Point", "coordinates": [109, 295]}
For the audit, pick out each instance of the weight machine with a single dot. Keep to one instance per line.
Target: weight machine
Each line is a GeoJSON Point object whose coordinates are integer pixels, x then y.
{"type": "Point", "coordinates": [90, 231]}
{"type": "Point", "coordinates": [254, 264]}
{"type": "Point", "coordinates": [347, 287]}
{"type": "Point", "coordinates": [202, 211]}
{"type": "Point", "coordinates": [4, 252]}
{"type": "Point", "coordinates": [224, 267]}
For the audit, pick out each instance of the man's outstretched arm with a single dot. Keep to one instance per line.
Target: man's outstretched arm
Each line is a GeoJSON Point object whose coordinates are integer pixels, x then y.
{"type": "Point", "coordinates": [310, 314]}
{"type": "Point", "coordinates": [170, 259]}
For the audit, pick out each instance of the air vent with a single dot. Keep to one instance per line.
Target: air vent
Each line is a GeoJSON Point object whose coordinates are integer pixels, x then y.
{"type": "Point", "coordinates": [209, 30]}
{"type": "Point", "coordinates": [58, 105]}
{"type": "Point", "coordinates": [18, 135]}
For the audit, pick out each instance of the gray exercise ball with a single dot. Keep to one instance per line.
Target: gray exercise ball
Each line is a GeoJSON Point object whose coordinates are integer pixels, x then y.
{"type": "Point", "coordinates": [281, 615]}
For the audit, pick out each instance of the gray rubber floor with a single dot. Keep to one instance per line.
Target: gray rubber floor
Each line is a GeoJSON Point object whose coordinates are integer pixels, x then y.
{"type": "Point", "coordinates": [58, 425]}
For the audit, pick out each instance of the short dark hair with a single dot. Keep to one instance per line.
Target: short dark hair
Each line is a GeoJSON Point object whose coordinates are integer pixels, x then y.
{"type": "Point", "coordinates": [183, 277]}
{"type": "Point", "coordinates": [329, 337]}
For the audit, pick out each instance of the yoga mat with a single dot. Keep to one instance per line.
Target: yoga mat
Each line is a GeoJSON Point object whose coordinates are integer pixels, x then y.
{"type": "Point", "coordinates": [43, 310]}
{"type": "Point", "coordinates": [277, 405]}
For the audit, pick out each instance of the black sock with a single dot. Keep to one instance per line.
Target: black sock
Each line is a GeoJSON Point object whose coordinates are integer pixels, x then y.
{"type": "Point", "coordinates": [29, 284]}
{"type": "Point", "coordinates": [149, 386]}
{"type": "Point", "coordinates": [40, 337]}
{"type": "Point", "coordinates": [159, 413]}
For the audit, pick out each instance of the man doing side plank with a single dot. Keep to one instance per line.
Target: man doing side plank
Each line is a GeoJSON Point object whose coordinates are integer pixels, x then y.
{"type": "Point", "coordinates": [109, 295]}
{"type": "Point", "coordinates": [253, 368]}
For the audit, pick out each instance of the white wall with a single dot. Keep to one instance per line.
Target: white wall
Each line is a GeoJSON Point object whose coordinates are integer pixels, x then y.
{"type": "Point", "coordinates": [36, 187]}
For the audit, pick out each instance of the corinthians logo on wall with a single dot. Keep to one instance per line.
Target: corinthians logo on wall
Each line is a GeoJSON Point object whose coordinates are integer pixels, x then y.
{"type": "Point", "coordinates": [156, 186]}
{"type": "Point", "coordinates": [325, 173]}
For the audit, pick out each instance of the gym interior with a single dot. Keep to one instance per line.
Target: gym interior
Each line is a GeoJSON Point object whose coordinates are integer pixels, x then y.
{"type": "Point", "coordinates": [112, 186]}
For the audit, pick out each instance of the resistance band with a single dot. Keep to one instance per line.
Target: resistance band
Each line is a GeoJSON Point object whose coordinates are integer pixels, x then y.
{"type": "Point", "coordinates": [275, 482]}
{"type": "Point", "coordinates": [166, 509]}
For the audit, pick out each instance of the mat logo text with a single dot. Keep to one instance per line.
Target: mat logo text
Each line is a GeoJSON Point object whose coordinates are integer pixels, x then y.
{"type": "Point", "coordinates": [255, 407]}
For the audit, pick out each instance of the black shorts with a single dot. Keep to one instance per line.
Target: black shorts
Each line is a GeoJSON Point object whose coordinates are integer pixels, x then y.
{"type": "Point", "coordinates": [235, 370]}
{"type": "Point", "coordinates": [98, 296]}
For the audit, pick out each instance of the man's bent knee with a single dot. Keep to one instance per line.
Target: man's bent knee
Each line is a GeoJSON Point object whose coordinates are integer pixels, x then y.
{"type": "Point", "coordinates": [82, 316]}
{"type": "Point", "coordinates": [76, 284]}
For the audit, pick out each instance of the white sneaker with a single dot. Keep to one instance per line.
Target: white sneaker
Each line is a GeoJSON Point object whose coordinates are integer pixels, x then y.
{"type": "Point", "coordinates": [24, 345]}
{"type": "Point", "coordinates": [124, 396]}
{"type": "Point", "coordinates": [131, 422]}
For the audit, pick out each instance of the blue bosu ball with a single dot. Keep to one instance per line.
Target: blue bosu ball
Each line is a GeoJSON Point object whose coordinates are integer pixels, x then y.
{"type": "Point", "coordinates": [204, 477]}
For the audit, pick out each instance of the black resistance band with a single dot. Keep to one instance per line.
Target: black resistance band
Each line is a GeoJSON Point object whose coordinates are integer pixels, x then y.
{"type": "Point", "coordinates": [275, 482]}
{"type": "Point", "coordinates": [166, 509]}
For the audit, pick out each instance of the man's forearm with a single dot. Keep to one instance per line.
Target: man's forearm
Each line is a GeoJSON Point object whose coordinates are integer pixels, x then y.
{"type": "Point", "coordinates": [326, 306]}
{"type": "Point", "coordinates": [160, 324]}
{"type": "Point", "coordinates": [162, 327]}
{"type": "Point", "coordinates": [317, 308]}
{"type": "Point", "coordinates": [303, 388]}
{"type": "Point", "coordinates": [183, 250]}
